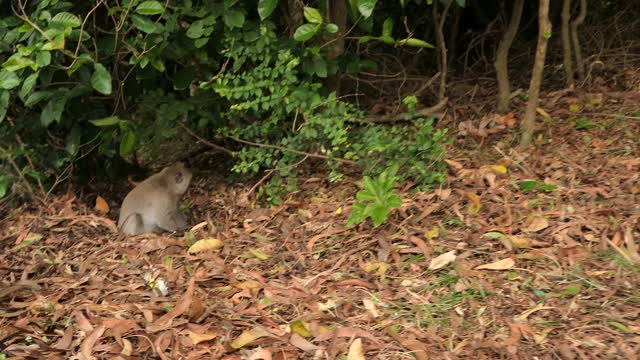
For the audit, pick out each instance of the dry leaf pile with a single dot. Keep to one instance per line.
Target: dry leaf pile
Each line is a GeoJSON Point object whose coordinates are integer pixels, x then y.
{"type": "Point", "coordinates": [516, 256]}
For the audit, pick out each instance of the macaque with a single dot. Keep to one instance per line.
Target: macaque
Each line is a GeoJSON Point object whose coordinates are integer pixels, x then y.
{"type": "Point", "coordinates": [153, 204]}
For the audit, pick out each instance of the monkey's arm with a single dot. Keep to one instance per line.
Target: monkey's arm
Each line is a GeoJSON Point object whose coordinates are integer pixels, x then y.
{"type": "Point", "coordinates": [173, 221]}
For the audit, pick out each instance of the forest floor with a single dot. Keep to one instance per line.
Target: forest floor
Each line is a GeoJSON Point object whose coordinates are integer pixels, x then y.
{"type": "Point", "coordinates": [517, 255]}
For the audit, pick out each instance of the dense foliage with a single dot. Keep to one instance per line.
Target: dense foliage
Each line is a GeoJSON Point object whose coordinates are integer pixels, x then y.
{"type": "Point", "coordinates": [92, 82]}
{"type": "Point", "coordinates": [99, 80]}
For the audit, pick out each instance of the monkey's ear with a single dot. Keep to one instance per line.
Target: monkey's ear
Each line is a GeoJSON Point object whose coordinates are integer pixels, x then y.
{"type": "Point", "coordinates": [178, 177]}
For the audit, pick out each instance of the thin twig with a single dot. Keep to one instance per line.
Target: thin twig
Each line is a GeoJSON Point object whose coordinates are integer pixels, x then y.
{"type": "Point", "coordinates": [282, 148]}
{"type": "Point", "coordinates": [202, 140]}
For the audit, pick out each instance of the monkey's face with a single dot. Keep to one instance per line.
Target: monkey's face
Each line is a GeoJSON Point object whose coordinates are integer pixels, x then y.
{"type": "Point", "coordinates": [179, 178]}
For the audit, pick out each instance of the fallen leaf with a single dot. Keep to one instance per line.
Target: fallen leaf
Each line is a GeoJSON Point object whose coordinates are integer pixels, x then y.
{"type": "Point", "coordinates": [205, 245]}
{"type": "Point", "coordinates": [371, 308]}
{"type": "Point", "coordinates": [503, 264]}
{"type": "Point", "coordinates": [355, 350]}
{"type": "Point", "coordinates": [536, 224]}
{"type": "Point", "coordinates": [87, 345]}
{"type": "Point", "coordinates": [248, 336]}
{"type": "Point", "coordinates": [302, 343]}
{"type": "Point", "coordinates": [301, 328]}
{"type": "Point", "coordinates": [500, 169]}
{"type": "Point", "coordinates": [197, 338]}
{"type": "Point", "coordinates": [519, 242]}
{"type": "Point", "coordinates": [474, 205]}
{"type": "Point", "coordinates": [442, 260]}
{"type": "Point", "coordinates": [101, 205]}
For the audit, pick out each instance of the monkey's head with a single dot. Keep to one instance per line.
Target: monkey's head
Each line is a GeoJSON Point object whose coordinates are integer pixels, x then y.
{"type": "Point", "coordinates": [178, 177]}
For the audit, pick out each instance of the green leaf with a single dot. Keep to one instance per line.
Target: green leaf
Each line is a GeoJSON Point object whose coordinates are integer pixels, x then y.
{"type": "Point", "coordinates": [528, 185]}
{"type": "Point", "coordinates": [150, 8]}
{"type": "Point", "coordinates": [127, 142]}
{"type": "Point", "coordinates": [365, 39]}
{"type": "Point", "coordinates": [305, 32]}
{"type": "Point", "coordinates": [53, 110]}
{"type": "Point", "coordinates": [38, 96]}
{"type": "Point", "coordinates": [28, 241]}
{"type": "Point", "coordinates": [312, 15]}
{"type": "Point", "coordinates": [366, 7]}
{"type": "Point", "coordinates": [266, 7]}
{"type": "Point", "coordinates": [9, 80]}
{"type": "Point", "coordinates": [547, 187]}
{"type": "Point", "coordinates": [145, 25]}
{"type": "Point", "coordinates": [415, 43]}
{"type": "Point", "coordinates": [43, 58]}
{"type": "Point", "coordinates": [57, 43]}
{"type": "Point", "coordinates": [320, 67]}
{"type": "Point", "coordinates": [65, 19]}
{"type": "Point", "coordinates": [17, 62]}
{"type": "Point", "coordinates": [108, 121]}
{"type": "Point", "coordinates": [331, 28]}
{"type": "Point", "coordinates": [394, 201]}
{"type": "Point", "coordinates": [461, 3]}
{"type": "Point", "coordinates": [364, 195]}
{"type": "Point", "coordinates": [4, 104]}
{"type": "Point", "coordinates": [101, 79]}
{"type": "Point", "coordinates": [387, 27]}
{"type": "Point", "coordinates": [233, 18]}
{"type": "Point", "coordinates": [379, 214]}
{"type": "Point", "coordinates": [28, 84]}
{"type": "Point", "coordinates": [494, 235]}
{"type": "Point", "coordinates": [196, 30]}
{"type": "Point", "coordinates": [200, 42]}
{"type": "Point", "coordinates": [4, 182]}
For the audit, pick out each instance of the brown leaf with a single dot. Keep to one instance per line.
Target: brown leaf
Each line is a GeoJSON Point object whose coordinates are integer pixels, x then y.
{"type": "Point", "coordinates": [302, 343]}
{"type": "Point", "coordinates": [503, 264]}
{"type": "Point", "coordinates": [197, 338]}
{"type": "Point", "coordinates": [87, 345]}
{"type": "Point", "coordinates": [182, 305]}
{"type": "Point", "coordinates": [536, 224]}
{"type": "Point", "coordinates": [101, 205]}
{"type": "Point", "coordinates": [355, 350]}
{"type": "Point", "coordinates": [248, 336]}
{"type": "Point", "coordinates": [442, 260]}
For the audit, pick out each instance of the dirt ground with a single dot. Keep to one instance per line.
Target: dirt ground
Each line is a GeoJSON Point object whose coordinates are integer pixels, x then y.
{"type": "Point", "coordinates": [518, 255]}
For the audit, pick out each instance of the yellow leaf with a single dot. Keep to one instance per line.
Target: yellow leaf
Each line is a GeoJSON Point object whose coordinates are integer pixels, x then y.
{"type": "Point", "coordinates": [474, 206]}
{"type": "Point", "coordinates": [442, 260]}
{"type": "Point", "coordinates": [575, 107]}
{"type": "Point", "coordinates": [355, 350]}
{"type": "Point", "coordinates": [520, 242]}
{"type": "Point", "coordinates": [301, 328]}
{"type": "Point", "coordinates": [339, 211]}
{"type": "Point", "coordinates": [433, 233]}
{"type": "Point", "coordinates": [258, 254]}
{"type": "Point", "coordinates": [248, 336]}
{"type": "Point", "coordinates": [198, 338]}
{"type": "Point", "coordinates": [543, 113]}
{"type": "Point", "coordinates": [500, 169]}
{"type": "Point", "coordinates": [101, 205]}
{"type": "Point", "coordinates": [503, 264]}
{"type": "Point", "coordinates": [205, 245]}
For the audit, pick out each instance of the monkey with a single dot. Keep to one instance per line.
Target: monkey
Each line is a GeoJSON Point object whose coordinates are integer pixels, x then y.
{"type": "Point", "coordinates": [153, 205]}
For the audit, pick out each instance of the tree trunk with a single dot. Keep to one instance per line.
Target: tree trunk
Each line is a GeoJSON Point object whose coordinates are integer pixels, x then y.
{"type": "Point", "coordinates": [544, 32]}
{"type": "Point", "coordinates": [502, 58]}
{"type": "Point", "coordinates": [576, 41]}
{"type": "Point", "coordinates": [438, 22]}
{"type": "Point", "coordinates": [337, 12]}
{"type": "Point", "coordinates": [566, 43]}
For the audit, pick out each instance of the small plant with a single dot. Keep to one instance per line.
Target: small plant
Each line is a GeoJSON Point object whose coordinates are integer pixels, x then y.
{"type": "Point", "coordinates": [584, 124]}
{"type": "Point", "coordinates": [376, 198]}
